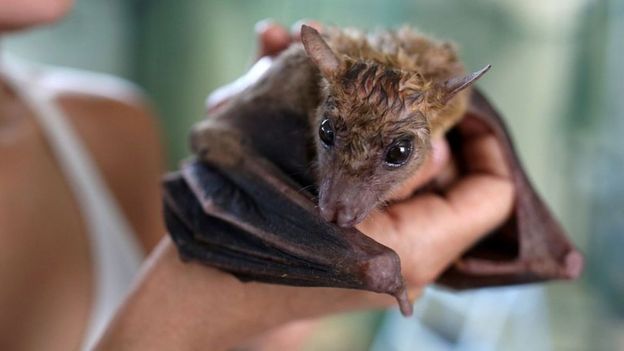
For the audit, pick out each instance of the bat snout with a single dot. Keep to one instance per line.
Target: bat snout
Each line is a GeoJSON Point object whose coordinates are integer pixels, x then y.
{"type": "Point", "coordinates": [346, 218]}
{"type": "Point", "coordinates": [343, 213]}
{"type": "Point", "coordinates": [343, 202]}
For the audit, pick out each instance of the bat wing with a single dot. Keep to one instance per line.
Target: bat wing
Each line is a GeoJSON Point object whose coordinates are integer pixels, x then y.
{"type": "Point", "coordinates": [532, 246]}
{"type": "Point", "coordinates": [247, 219]}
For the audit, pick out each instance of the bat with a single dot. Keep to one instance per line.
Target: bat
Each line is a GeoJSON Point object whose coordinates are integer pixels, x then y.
{"type": "Point", "coordinates": [283, 171]}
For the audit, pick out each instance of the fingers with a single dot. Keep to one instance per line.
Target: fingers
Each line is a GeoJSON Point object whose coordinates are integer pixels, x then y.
{"type": "Point", "coordinates": [429, 231]}
{"type": "Point", "coordinates": [436, 161]}
{"type": "Point", "coordinates": [482, 199]}
{"type": "Point", "coordinates": [438, 230]}
{"type": "Point", "coordinates": [481, 149]}
{"type": "Point", "coordinates": [272, 38]}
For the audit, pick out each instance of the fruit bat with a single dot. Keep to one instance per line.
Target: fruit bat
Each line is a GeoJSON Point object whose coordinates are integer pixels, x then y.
{"type": "Point", "coordinates": [283, 171]}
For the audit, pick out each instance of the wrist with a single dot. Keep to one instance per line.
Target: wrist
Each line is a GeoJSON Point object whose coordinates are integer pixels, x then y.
{"type": "Point", "coordinates": [178, 305]}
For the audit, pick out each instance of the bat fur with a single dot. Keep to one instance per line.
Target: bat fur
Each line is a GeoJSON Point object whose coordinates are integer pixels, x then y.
{"type": "Point", "coordinates": [373, 91]}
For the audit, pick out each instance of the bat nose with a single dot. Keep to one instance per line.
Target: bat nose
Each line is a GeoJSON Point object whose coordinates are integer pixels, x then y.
{"type": "Point", "coordinates": [340, 203]}
{"type": "Point", "coordinates": [337, 212]}
{"type": "Point", "coordinates": [345, 217]}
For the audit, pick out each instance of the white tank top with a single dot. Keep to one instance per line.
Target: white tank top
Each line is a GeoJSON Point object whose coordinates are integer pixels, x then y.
{"type": "Point", "coordinates": [115, 252]}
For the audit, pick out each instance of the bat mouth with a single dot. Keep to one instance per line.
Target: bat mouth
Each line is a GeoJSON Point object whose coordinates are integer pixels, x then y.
{"type": "Point", "coordinates": [344, 204]}
{"type": "Point", "coordinates": [347, 221]}
{"type": "Point", "coordinates": [344, 216]}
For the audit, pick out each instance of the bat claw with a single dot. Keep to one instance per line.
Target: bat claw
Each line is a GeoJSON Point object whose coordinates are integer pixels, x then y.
{"type": "Point", "coordinates": [405, 306]}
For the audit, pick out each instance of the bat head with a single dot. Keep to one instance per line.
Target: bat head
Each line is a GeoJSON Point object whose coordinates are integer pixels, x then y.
{"type": "Point", "coordinates": [374, 128]}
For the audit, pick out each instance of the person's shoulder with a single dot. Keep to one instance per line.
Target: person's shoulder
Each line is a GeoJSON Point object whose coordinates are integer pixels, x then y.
{"type": "Point", "coordinates": [104, 108]}
{"type": "Point", "coordinates": [75, 86]}
{"type": "Point", "coordinates": [116, 124]}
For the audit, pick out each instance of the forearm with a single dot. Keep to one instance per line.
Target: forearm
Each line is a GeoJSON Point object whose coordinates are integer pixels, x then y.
{"type": "Point", "coordinates": [188, 306]}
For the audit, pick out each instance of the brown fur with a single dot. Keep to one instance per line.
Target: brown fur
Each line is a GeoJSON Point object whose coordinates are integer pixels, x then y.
{"type": "Point", "coordinates": [377, 89]}
{"type": "Point", "coordinates": [419, 66]}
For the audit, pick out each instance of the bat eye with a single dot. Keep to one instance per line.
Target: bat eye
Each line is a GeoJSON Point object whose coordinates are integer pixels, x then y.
{"type": "Point", "coordinates": [326, 133]}
{"type": "Point", "coordinates": [398, 153]}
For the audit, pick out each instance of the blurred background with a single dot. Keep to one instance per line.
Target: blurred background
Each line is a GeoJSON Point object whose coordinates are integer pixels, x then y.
{"type": "Point", "coordinates": [558, 77]}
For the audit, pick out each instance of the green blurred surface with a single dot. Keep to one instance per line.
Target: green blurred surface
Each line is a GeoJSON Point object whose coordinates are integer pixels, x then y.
{"type": "Point", "coordinates": [558, 77]}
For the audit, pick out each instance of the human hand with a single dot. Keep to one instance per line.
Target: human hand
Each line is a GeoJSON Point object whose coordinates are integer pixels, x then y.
{"type": "Point", "coordinates": [431, 229]}
{"type": "Point", "coordinates": [188, 306]}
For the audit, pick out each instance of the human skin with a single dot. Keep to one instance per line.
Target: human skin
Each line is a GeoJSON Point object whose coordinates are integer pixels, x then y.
{"type": "Point", "coordinates": [20, 14]}
{"type": "Point", "coordinates": [187, 306]}
{"type": "Point", "coordinates": [45, 261]}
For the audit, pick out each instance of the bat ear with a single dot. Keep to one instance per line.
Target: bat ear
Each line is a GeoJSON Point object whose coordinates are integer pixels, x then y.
{"type": "Point", "coordinates": [321, 54]}
{"type": "Point", "coordinates": [454, 85]}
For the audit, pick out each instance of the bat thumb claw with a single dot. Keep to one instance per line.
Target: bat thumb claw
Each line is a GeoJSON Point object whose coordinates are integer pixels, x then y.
{"type": "Point", "coordinates": [405, 306]}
